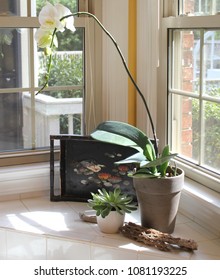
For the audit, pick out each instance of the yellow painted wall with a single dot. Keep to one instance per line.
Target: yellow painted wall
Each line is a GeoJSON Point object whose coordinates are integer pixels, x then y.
{"type": "Point", "coordinates": [132, 61]}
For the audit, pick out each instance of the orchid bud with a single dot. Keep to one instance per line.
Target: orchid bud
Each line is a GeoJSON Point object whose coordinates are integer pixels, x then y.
{"type": "Point", "coordinates": [47, 51]}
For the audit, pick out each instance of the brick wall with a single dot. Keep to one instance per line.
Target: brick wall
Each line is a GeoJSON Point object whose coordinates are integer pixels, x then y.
{"type": "Point", "coordinates": [187, 77]}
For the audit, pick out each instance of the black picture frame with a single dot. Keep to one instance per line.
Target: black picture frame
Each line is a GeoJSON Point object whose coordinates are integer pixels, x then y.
{"type": "Point", "coordinates": [87, 165]}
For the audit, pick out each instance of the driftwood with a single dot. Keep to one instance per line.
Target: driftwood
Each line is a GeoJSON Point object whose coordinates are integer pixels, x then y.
{"type": "Point", "coordinates": [88, 218]}
{"type": "Point", "coordinates": [152, 237]}
{"type": "Point", "coordinates": [149, 236]}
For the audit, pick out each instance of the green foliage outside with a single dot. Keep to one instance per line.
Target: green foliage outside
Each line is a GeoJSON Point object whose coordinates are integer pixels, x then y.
{"type": "Point", "coordinates": [67, 70]}
{"type": "Point", "coordinates": [212, 130]}
{"type": "Point", "coordinates": [72, 5]}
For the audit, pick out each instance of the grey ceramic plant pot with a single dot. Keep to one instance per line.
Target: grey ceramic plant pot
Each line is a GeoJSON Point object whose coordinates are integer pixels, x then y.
{"type": "Point", "coordinates": [158, 201]}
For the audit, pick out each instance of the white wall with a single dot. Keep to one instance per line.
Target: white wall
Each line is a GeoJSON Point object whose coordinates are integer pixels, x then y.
{"type": "Point", "coordinates": [115, 79]}
{"type": "Point", "coordinates": [147, 59]}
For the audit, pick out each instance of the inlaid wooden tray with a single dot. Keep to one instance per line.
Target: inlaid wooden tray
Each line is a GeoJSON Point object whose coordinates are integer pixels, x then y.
{"type": "Point", "coordinates": [87, 165]}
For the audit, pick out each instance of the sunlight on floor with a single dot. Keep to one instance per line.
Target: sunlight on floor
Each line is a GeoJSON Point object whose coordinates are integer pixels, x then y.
{"type": "Point", "coordinates": [38, 219]}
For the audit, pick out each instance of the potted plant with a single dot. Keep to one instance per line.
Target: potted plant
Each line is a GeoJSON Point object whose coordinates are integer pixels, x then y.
{"type": "Point", "coordinates": [155, 180]}
{"type": "Point", "coordinates": [110, 208]}
{"type": "Point", "coordinates": [158, 185]}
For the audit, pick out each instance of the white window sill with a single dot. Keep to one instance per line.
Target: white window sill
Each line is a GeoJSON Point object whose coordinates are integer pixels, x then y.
{"type": "Point", "coordinates": [202, 205]}
{"type": "Point", "coordinates": [198, 202]}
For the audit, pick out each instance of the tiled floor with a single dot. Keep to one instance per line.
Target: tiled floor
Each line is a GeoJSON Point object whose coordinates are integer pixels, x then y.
{"type": "Point", "coordinates": [35, 228]}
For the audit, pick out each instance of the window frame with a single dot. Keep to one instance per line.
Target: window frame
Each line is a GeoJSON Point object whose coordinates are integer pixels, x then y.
{"type": "Point", "coordinates": [170, 20]}
{"type": "Point", "coordinates": [42, 155]}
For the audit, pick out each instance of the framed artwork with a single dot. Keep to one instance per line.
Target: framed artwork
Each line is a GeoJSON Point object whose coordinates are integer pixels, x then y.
{"type": "Point", "coordinates": [87, 165]}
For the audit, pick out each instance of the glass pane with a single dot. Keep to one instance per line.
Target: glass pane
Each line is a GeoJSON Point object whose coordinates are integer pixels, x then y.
{"type": "Point", "coordinates": [67, 67]}
{"type": "Point", "coordinates": [19, 7]}
{"type": "Point", "coordinates": [184, 140]}
{"type": "Point", "coordinates": [12, 122]}
{"type": "Point", "coordinates": [71, 124]}
{"type": "Point", "coordinates": [187, 64]}
{"type": "Point", "coordinates": [196, 130]}
{"type": "Point", "coordinates": [200, 7]}
{"type": "Point", "coordinates": [211, 156]}
{"type": "Point", "coordinates": [72, 5]}
{"type": "Point", "coordinates": [186, 60]}
{"type": "Point", "coordinates": [211, 66]}
{"type": "Point", "coordinates": [13, 8]}
{"type": "Point", "coordinates": [14, 61]}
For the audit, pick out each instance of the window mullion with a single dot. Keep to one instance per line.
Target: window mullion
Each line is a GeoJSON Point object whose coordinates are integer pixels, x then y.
{"type": "Point", "coordinates": [32, 86]}
{"type": "Point", "coordinates": [201, 92]}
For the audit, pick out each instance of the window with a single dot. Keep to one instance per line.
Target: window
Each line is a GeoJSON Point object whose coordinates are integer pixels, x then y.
{"type": "Point", "coordinates": [193, 63]}
{"type": "Point", "coordinates": [26, 119]}
{"type": "Point", "coordinates": [195, 96]}
{"type": "Point", "coordinates": [199, 7]}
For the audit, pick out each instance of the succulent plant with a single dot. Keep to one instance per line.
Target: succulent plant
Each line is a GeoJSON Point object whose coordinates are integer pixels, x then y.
{"type": "Point", "coordinates": [104, 202]}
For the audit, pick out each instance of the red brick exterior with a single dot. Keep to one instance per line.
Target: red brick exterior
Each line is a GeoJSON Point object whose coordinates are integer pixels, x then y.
{"type": "Point", "coordinates": [187, 77]}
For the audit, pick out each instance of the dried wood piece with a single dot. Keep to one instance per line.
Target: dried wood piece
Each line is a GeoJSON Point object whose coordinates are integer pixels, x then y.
{"type": "Point", "coordinates": [88, 218]}
{"type": "Point", "coordinates": [155, 238]}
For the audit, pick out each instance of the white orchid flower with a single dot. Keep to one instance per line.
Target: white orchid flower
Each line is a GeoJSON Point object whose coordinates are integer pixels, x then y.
{"type": "Point", "coordinates": [44, 38]}
{"type": "Point", "coordinates": [49, 18]}
{"type": "Point", "coordinates": [64, 11]}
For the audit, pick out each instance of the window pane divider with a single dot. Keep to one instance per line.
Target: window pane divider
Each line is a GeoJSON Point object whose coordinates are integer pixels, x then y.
{"type": "Point", "coordinates": [18, 22]}
{"type": "Point", "coordinates": [190, 22]}
{"type": "Point", "coordinates": [201, 103]}
{"type": "Point", "coordinates": [183, 93]}
{"type": "Point", "coordinates": [194, 95]}
{"type": "Point", "coordinates": [12, 90]}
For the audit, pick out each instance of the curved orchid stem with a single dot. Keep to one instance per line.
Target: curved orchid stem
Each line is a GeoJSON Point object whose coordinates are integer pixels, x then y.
{"type": "Point", "coordinates": [122, 59]}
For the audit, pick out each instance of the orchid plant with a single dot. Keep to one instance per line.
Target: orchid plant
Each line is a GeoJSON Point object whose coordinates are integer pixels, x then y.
{"type": "Point", "coordinates": [56, 18]}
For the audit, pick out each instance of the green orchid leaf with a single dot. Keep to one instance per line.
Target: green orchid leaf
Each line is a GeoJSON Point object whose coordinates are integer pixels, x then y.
{"type": "Point", "coordinates": [136, 158]}
{"type": "Point", "coordinates": [145, 173]}
{"type": "Point", "coordinates": [149, 152]}
{"type": "Point", "coordinates": [120, 133]}
{"type": "Point", "coordinates": [159, 161]}
{"type": "Point", "coordinates": [163, 166]}
{"type": "Point", "coordinates": [144, 163]}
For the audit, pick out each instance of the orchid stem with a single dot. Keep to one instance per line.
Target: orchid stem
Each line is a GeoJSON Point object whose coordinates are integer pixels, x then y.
{"type": "Point", "coordinates": [123, 61]}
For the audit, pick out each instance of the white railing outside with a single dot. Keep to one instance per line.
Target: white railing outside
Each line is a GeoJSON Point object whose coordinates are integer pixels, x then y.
{"type": "Point", "coordinates": [47, 117]}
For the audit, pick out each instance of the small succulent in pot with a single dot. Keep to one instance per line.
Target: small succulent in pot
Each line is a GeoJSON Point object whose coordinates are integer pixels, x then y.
{"type": "Point", "coordinates": [104, 202]}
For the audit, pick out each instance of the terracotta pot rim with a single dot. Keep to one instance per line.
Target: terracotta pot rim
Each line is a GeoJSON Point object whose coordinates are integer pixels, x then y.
{"type": "Point", "coordinates": [159, 186]}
